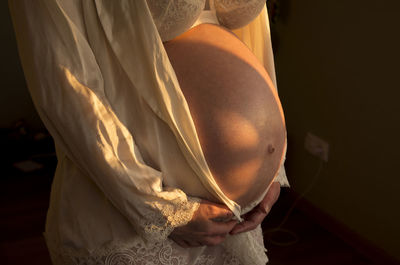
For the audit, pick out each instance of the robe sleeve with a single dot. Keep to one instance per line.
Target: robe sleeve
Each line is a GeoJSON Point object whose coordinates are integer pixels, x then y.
{"type": "Point", "coordinates": [67, 88]}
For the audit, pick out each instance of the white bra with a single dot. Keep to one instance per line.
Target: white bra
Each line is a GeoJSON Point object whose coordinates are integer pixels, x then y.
{"type": "Point", "coordinates": [173, 17]}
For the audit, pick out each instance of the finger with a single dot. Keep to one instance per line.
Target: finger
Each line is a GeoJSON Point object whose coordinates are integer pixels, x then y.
{"type": "Point", "coordinates": [180, 242]}
{"type": "Point", "coordinates": [219, 212]}
{"type": "Point", "coordinates": [213, 240]}
{"type": "Point", "coordinates": [222, 219]}
{"type": "Point", "coordinates": [192, 244]}
{"type": "Point", "coordinates": [243, 227]}
{"type": "Point", "coordinates": [185, 243]}
{"type": "Point", "coordinates": [255, 217]}
{"type": "Point", "coordinates": [221, 228]}
{"type": "Point", "coordinates": [271, 197]}
{"type": "Point", "coordinates": [196, 244]}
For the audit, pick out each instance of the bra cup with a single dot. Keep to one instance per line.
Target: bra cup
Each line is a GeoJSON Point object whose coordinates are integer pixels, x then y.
{"type": "Point", "coordinates": [174, 17]}
{"type": "Point", "coordinates": [234, 14]}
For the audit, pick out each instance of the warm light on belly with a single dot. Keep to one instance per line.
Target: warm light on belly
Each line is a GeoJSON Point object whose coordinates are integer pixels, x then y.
{"type": "Point", "coordinates": [235, 108]}
{"type": "Point", "coordinates": [241, 132]}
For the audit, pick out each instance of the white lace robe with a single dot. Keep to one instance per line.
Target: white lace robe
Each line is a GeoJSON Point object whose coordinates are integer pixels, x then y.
{"type": "Point", "coordinates": [103, 85]}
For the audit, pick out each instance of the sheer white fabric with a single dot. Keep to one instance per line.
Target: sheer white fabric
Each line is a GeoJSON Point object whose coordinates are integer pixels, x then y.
{"type": "Point", "coordinates": [234, 14]}
{"type": "Point", "coordinates": [175, 17]}
{"type": "Point", "coordinates": [168, 253]}
{"type": "Point", "coordinates": [103, 85]}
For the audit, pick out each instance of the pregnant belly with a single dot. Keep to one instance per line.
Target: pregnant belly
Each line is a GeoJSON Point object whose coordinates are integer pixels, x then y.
{"type": "Point", "coordinates": [235, 109]}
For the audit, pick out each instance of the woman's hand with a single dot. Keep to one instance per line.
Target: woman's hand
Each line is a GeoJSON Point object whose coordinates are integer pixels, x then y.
{"type": "Point", "coordinates": [212, 222]}
{"type": "Point", "coordinates": [253, 218]}
{"type": "Point", "coordinates": [209, 226]}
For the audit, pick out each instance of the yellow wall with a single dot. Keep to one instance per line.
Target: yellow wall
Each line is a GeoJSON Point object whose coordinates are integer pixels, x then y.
{"type": "Point", "coordinates": [338, 77]}
{"type": "Point", "coordinates": [15, 101]}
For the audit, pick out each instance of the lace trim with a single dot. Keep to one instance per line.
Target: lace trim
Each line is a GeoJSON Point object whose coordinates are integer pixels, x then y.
{"type": "Point", "coordinates": [244, 249]}
{"type": "Point", "coordinates": [174, 17]}
{"type": "Point", "coordinates": [158, 227]}
{"type": "Point", "coordinates": [249, 248]}
{"type": "Point", "coordinates": [205, 260]}
{"type": "Point", "coordinates": [160, 253]}
{"type": "Point", "coordinates": [234, 14]}
{"type": "Point", "coordinates": [230, 259]}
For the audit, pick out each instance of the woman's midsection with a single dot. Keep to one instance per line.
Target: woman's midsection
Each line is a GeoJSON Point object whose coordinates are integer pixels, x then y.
{"type": "Point", "coordinates": [235, 109]}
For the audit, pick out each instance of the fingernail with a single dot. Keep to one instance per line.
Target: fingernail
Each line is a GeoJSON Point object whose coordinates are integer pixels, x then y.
{"type": "Point", "coordinates": [266, 209]}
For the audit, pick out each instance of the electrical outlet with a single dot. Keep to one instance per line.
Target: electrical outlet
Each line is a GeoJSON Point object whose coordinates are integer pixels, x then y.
{"type": "Point", "coordinates": [317, 146]}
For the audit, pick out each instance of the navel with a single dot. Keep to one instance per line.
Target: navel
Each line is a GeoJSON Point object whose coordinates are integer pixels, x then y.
{"type": "Point", "coordinates": [271, 149]}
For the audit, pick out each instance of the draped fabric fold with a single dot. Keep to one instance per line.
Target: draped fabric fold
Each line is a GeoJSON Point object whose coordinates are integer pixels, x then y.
{"type": "Point", "coordinates": [71, 95]}
{"type": "Point", "coordinates": [102, 83]}
{"type": "Point", "coordinates": [161, 91]}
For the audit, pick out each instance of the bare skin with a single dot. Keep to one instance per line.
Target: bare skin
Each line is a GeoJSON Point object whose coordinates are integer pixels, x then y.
{"type": "Point", "coordinates": [240, 124]}
{"type": "Point", "coordinates": [203, 230]}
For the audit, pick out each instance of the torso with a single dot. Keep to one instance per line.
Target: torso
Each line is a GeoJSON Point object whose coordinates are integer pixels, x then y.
{"type": "Point", "coordinates": [235, 109]}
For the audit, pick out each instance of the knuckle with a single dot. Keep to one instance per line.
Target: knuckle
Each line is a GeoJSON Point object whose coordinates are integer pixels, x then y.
{"type": "Point", "coordinates": [213, 211]}
{"type": "Point", "coordinates": [228, 215]}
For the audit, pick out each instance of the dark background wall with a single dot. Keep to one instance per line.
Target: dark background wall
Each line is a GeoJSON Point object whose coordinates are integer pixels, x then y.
{"type": "Point", "coordinates": [15, 102]}
{"type": "Point", "coordinates": [338, 77]}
